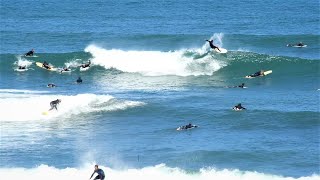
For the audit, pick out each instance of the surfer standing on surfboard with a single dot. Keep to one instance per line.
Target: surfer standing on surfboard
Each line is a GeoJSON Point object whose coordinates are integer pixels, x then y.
{"type": "Point", "coordinates": [212, 46]}
{"type": "Point", "coordinates": [53, 104]}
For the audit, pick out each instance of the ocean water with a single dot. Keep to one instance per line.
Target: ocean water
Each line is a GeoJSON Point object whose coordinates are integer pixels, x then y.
{"type": "Point", "coordinates": [151, 72]}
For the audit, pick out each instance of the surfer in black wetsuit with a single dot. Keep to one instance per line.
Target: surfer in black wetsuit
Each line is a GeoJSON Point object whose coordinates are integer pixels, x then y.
{"type": "Point", "coordinates": [30, 53]}
{"type": "Point", "coordinates": [241, 86]}
{"type": "Point", "coordinates": [79, 80]}
{"type": "Point", "coordinates": [51, 85]}
{"type": "Point", "coordinates": [86, 65]}
{"type": "Point", "coordinates": [212, 46]}
{"type": "Point", "coordinates": [238, 107]}
{"type": "Point", "coordinates": [100, 173]}
{"type": "Point", "coordinates": [259, 73]}
{"type": "Point", "coordinates": [46, 65]}
{"type": "Point", "coordinates": [22, 67]}
{"type": "Point", "coordinates": [53, 104]}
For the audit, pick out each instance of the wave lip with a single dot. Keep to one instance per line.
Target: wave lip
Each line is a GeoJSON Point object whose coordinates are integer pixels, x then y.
{"type": "Point", "coordinates": [153, 63]}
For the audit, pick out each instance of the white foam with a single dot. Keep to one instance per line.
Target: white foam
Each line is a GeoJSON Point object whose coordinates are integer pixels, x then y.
{"type": "Point", "coordinates": [22, 61]}
{"type": "Point", "coordinates": [25, 107]}
{"type": "Point", "coordinates": [158, 172]}
{"type": "Point", "coordinates": [153, 63]}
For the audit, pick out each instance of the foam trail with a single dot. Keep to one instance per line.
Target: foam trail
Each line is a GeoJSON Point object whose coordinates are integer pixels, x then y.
{"type": "Point", "coordinates": [153, 63]}
{"type": "Point", "coordinates": [158, 172]}
{"type": "Point", "coordinates": [31, 106]}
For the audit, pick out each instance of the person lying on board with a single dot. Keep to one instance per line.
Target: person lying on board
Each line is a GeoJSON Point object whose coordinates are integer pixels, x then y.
{"type": "Point", "coordinates": [51, 85]}
{"type": "Point", "coordinates": [22, 67]}
{"type": "Point", "coordinates": [259, 73]}
{"type": "Point", "coordinates": [46, 65]}
{"type": "Point", "coordinates": [86, 65]}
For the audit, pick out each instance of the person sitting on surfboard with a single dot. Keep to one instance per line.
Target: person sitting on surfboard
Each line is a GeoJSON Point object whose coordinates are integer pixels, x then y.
{"type": "Point", "coordinates": [53, 104]}
{"type": "Point", "coordinates": [86, 65]}
{"type": "Point", "coordinates": [79, 80]}
{"type": "Point", "coordinates": [46, 65]}
{"type": "Point", "coordinates": [212, 46]}
{"type": "Point", "coordinates": [238, 107]}
{"type": "Point", "coordinates": [99, 172]}
{"type": "Point", "coordinates": [30, 53]}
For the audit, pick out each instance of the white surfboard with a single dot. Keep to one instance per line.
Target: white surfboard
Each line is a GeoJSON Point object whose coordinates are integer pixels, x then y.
{"type": "Point", "coordinates": [222, 50]}
{"type": "Point", "coordinates": [84, 69]}
{"type": "Point", "coordinates": [21, 70]}
{"type": "Point", "coordinates": [34, 56]}
{"type": "Point", "coordinates": [296, 46]}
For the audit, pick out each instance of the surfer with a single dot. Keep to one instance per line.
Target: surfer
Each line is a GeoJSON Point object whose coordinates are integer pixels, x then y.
{"type": "Point", "coordinates": [86, 65]}
{"type": "Point", "coordinates": [259, 73]}
{"type": "Point", "coordinates": [46, 65]}
{"type": "Point", "coordinates": [51, 85]}
{"type": "Point", "coordinates": [241, 85]}
{"type": "Point", "coordinates": [30, 53]}
{"type": "Point", "coordinates": [79, 80]}
{"type": "Point", "coordinates": [188, 126]}
{"type": "Point", "coordinates": [53, 104]}
{"type": "Point", "coordinates": [22, 67]}
{"type": "Point", "coordinates": [238, 107]}
{"type": "Point", "coordinates": [212, 46]}
{"type": "Point", "coordinates": [66, 69]}
{"type": "Point", "coordinates": [99, 172]}
{"type": "Point", "coordinates": [300, 44]}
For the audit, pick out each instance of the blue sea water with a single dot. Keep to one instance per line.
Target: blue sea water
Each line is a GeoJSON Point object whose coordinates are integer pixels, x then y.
{"type": "Point", "coordinates": [151, 72]}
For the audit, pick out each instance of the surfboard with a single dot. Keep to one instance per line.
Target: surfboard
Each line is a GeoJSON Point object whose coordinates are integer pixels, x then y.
{"type": "Point", "coordinates": [34, 56]}
{"type": "Point", "coordinates": [45, 112]}
{"type": "Point", "coordinates": [39, 64]}
{"type": "Point", "coordinates": [264, 74]}
{"type": "Point", "coordinates": [21, 70]}
{"type": "Point", "coordinates": [84, 69]}
{"type": "Point", "coordinates": [237, 109]}
{"type": "Point", "coordinates": [183, 127]}
{"type": "Point", "coordinates": [296, 46]}
{"type": "Point", "coordinates": [63, 71]}
{"type": "Point", "coordinates": [222, 50]}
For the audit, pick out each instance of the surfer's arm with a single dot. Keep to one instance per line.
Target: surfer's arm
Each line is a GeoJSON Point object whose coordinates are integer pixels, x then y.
{"type": "Point", "coordinates": [92, 174]}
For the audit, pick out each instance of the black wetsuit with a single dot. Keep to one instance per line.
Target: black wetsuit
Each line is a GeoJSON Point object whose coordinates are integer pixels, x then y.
{"type": "Point", "coordinates": [79, 80]}
{"type": "Point", "coordinates": [46, 65]}
{"type": "Point", "coordinates": [100, 174]}
{"type": "Point", "coordinates": [30, 53]}
{"type": "Point", "coordinates": [54, 104]}
{"type": "Point", "coordinates": [239, 107]}
{"type": "Point", "coordinates": [211, 45]}
{"type": "Point", "coordinates": [22, 67]}
{"type": "Point", "coordinates": [86, 65]}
